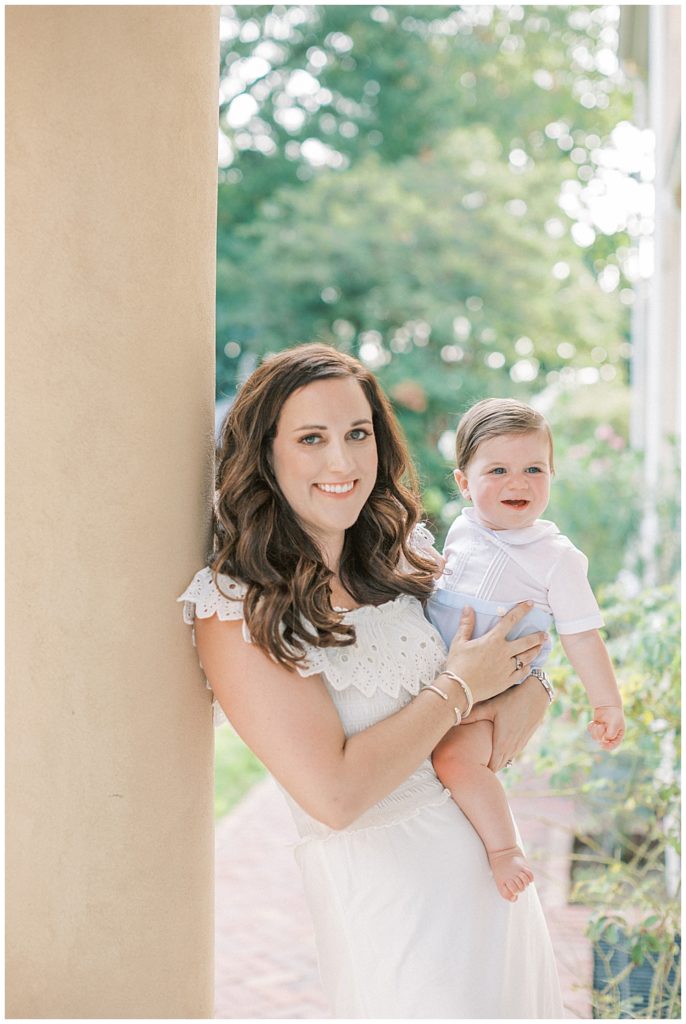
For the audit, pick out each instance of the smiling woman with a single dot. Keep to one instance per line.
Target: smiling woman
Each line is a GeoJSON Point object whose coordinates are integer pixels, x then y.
{"type": "Point", "coordinates": [319, 567]}
{"type": "Point", "coordinates": [307, 425]}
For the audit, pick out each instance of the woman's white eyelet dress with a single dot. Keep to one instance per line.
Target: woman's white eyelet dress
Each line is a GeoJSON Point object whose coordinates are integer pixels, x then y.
{"type": "Point", "coordinates": [407, 917]}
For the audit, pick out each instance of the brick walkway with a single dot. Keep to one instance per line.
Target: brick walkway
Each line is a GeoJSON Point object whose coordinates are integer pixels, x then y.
{"type": "Point", "coordinates": [265, 961]}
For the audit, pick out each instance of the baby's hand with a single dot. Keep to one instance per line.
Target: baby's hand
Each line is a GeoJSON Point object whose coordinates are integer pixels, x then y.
{"type": "Point", "coordinates": [607, 727]}
{"type": "Point", "coordinates": [434, 556]}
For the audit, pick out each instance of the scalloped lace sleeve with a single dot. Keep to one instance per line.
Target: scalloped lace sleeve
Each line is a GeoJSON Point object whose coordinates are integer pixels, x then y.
{"type": "Point", "coordinates": [202, 599]}
{"type": "Point", "coordinates": [421, 538]}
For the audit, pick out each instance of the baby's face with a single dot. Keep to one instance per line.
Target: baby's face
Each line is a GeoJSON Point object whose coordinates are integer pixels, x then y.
{"type": "Point", "coordinates": [508, 480]}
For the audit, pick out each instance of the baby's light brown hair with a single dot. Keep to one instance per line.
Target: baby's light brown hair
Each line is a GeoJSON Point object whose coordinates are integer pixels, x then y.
{"type": "Point", "coordinates": [494, 417]}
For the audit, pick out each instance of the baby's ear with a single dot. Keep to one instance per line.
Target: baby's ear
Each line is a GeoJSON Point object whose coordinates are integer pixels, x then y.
{"type": "Point", "coordinates": [461, 481]}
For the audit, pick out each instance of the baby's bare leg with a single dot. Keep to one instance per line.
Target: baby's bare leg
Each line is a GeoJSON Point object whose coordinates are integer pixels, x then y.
{"type": "Point", "coordinates": [461, 763]}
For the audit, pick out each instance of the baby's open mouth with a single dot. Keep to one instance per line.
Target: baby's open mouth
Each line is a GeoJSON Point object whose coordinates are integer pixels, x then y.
{"type": "Point", "coordinates": [516, 502]}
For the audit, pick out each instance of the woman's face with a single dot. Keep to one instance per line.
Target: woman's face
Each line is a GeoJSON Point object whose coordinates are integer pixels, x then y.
{"type": "Point", "coordinates": [324, 458]}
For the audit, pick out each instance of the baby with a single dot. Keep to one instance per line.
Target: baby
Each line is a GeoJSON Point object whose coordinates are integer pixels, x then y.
{"type": "Point", "coordinates": [498, 552]}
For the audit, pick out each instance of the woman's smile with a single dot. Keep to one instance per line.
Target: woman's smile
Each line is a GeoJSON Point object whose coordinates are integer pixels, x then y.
{"type": "Point", "coordinates": [337, 488]}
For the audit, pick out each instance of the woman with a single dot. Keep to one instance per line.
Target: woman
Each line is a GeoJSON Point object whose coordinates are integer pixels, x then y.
{"type": "Point", "coordinates": [310, 629]}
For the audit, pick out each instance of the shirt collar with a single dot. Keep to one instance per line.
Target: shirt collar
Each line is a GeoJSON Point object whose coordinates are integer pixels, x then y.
{"type": "Point", "coordinates": [527, 535]}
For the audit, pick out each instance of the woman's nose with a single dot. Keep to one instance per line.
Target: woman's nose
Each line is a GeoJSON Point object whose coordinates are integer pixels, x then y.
{"type": "Point", "coordinates": [340, 458]}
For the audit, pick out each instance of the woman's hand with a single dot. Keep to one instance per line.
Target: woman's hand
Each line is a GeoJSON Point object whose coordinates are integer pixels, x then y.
{"type": "Point", "coordinates": [491, 663]}
{"type": "Point", "coordinates": [516, 714]}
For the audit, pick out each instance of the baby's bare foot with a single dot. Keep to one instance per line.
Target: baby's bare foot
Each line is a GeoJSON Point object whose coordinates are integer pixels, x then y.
{"type": "Point", "coordinates": [511, 871]}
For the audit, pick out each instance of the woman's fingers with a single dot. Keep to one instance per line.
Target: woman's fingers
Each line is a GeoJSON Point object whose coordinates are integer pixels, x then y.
{"type": "Point", "coordinates": [466, 627]}
{"type": "Point", "coordinates": [511, 618]}
{"type": "Point", "coordinates": [498, 760]}
{"type": "Point", "coordinates": [522, 657]}
{"type": "Point", "coordinates": [527, 645]}
{"type": "Point", "coordinates": [524, 647]}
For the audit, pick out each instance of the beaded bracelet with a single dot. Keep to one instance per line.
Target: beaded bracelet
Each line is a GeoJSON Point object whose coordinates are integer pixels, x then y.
{"type": "Point", "coordinates": [458, 714]}
{"type": "Point", "coordinates": [467, 692]}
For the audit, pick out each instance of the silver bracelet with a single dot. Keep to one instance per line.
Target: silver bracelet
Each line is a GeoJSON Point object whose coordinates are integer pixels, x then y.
{"type": "Point", "coordinates": [545, 682]}
{"type": "Point", "coordinates": [458, 713]}
{"type": "Point", "coordinates": [467, 692]}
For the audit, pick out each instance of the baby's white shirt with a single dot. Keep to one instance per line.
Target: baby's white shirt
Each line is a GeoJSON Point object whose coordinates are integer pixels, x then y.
{"type": "Point", "coordinates": [536, 563]}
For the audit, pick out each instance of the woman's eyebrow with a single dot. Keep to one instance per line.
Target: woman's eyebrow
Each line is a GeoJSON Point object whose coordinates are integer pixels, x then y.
{"type": "Point", "coordinates": [320, 426]}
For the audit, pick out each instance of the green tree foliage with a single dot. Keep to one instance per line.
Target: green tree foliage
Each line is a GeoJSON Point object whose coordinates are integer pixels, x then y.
{"type": "Point", "coordinates": [409, 184]}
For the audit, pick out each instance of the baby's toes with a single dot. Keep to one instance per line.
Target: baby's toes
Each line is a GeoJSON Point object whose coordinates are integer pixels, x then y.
{"type": "Point", "coordinates": [506, 892]}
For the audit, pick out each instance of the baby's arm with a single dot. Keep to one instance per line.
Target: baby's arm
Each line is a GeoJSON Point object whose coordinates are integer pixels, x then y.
{"type": "Point", "coordinates": [588, 656]}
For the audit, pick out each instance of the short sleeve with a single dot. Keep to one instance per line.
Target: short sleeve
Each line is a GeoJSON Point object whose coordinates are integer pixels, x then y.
{"type": "Point", "coordinates": [202, 599]}
{"type": "Point", "coordinates": [421, 541]}
{"type": "Point", "coordinates": [571, 599]}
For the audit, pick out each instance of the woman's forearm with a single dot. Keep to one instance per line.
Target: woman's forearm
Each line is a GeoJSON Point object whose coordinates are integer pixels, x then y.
{"type": "Point", "coordinates": [377, 760]}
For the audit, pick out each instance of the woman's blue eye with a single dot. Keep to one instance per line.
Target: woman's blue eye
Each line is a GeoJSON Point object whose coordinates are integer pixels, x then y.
{"type": "Point", "coordinates": [358, 434]}
{"type": "Point", "coordinates": [310, 439]}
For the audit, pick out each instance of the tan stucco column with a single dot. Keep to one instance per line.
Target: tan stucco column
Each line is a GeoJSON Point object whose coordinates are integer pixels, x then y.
{"type": "Point", "coordinates": [111, 186]}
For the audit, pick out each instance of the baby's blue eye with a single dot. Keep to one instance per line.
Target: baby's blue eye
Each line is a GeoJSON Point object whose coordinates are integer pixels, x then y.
{"type": "Point", "coordinates": [499, 470]}
{"type": "Point", "coordinates": [533, 469]}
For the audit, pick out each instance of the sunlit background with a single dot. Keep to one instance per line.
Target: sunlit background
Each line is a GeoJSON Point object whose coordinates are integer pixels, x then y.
{"type": "Point", "coordinates": [467, 198]}
{"type": "Point", "coordinates": [458, 195]}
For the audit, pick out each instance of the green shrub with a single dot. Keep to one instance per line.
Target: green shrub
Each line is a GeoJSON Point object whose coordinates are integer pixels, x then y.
{"type": "Point", "coordinates": [625, 864]}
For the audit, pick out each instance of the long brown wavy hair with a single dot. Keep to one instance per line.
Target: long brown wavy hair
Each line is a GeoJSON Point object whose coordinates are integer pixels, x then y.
{"type": "Point", "coordinates": [259, 540]}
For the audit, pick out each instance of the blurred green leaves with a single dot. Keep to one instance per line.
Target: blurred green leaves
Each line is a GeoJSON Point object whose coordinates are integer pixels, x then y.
{"type": "Point", "coordinates": [409, 184]}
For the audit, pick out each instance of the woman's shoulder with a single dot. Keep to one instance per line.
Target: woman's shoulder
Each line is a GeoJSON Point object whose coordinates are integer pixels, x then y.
{"type": "Point", "coordinates": [211, 593]}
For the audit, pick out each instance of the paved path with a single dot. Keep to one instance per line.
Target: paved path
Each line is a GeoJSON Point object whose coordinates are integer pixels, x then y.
{"type": "Point", "coordinates": [265, 961]}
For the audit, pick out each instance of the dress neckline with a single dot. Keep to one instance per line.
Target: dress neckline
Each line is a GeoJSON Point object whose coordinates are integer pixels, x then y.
{"type": "Point", "coordinates": [371, 608]}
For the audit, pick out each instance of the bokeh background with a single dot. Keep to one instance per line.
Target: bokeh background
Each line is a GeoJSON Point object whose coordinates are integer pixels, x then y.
{"type": "Point", "coordinates": [460, 197]}
{"type": "Point", "coordinates": [464, 197]}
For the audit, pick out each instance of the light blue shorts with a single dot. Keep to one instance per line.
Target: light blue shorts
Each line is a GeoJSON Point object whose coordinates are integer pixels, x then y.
{"type": "Point", "coordinates": [444, 611]}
